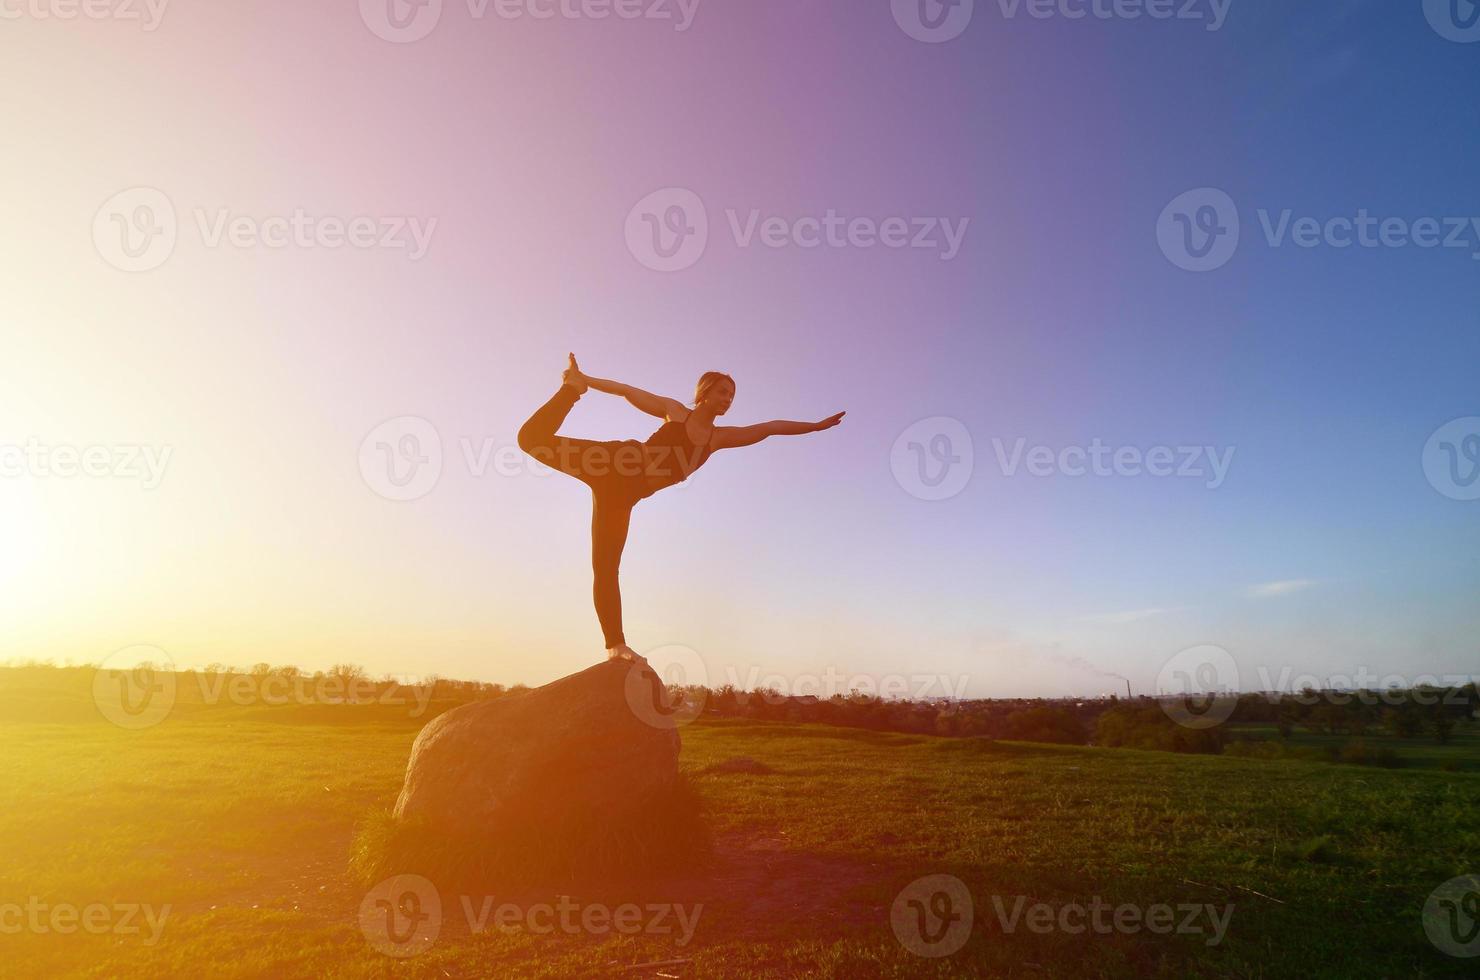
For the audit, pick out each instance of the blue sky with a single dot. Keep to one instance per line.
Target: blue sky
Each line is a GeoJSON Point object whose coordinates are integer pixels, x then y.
{"type": "Point", "coordinates": [1324, 371]}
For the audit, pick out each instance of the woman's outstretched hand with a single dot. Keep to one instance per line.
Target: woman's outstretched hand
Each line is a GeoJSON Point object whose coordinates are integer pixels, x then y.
{"type": "Point", "coordinates": [573, 376]}
{"type": "Point", "coordinates": [829, 422]}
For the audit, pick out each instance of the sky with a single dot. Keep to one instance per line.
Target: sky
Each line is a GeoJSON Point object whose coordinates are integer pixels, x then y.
{"type": "Point", "coordinates": [247, 251]}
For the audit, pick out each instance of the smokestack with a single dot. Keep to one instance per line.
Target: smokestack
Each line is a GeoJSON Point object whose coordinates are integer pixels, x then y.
{"type": "Point", "coordinates": [1127, 689]}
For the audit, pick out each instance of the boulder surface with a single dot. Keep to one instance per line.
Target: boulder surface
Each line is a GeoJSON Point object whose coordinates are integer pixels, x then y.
{"type": "Point", "coordinates": [598, 743]}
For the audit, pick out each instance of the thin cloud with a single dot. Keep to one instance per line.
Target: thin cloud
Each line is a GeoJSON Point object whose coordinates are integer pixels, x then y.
{"type": "Point", "coordinates": [1269, 590]}
{"type": "Point", "coordinates": [1007, 647]}
{"type": "Point", "coordinates": [1129, 616]}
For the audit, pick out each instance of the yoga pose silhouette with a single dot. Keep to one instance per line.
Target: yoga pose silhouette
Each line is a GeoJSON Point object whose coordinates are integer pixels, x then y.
{"type": "Point", "coordinates": [622, 472]}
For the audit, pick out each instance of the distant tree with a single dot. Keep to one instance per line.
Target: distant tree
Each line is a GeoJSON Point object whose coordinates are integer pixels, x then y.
{"type": "Point", "coordinates": [1443, 724]}
{"type": "Point", "coordinates": [724, 701]}
{"type": "Point", "coordinates": [1284, 720]}
{"type": "Point", "coordinates": [1326, 719]}
{"type": "Point", "coordinates": [1402, 720]}
{"type": "Point", "coordinates": [1046, 724]}
{"type": "Point", "coordinates": [1151, 728]}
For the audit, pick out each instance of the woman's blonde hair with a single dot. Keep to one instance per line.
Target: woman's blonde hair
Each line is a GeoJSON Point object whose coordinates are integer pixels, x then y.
{"type": "Point", "coordinates": [708, 380]}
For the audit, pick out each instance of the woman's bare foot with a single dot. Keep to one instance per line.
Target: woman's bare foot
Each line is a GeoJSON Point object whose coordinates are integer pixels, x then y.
{"type": "Point", "coordinates": [573, 377]}
{"type": "Point", "coordinates": [623, 652]}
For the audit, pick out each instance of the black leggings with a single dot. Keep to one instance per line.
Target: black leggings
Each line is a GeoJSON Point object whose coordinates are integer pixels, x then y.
{"type": "Point", "coordinates": [613, 471]}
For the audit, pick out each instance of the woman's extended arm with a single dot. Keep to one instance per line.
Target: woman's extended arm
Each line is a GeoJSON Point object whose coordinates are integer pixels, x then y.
{"type": "Point", "coordinates": [733, 437]}
{"type": "Point", "coordinates": [646, 401]}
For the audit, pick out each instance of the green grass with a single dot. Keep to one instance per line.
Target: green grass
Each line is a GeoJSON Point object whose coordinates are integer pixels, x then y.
{"type": "Point", "coordinates": [1462, 754]}
{"type": "Point", "coordinates": [243, 820]}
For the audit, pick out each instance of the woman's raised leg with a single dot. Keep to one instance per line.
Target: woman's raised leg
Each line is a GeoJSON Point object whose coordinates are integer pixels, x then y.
{"type": "Point", "coordinates": [538, 437]}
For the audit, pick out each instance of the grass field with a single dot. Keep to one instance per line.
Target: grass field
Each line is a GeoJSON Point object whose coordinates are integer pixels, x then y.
{"type": "Point", "coordinates": [1461, 754]}
{"type": "Point", "coordinates": [241, 820]}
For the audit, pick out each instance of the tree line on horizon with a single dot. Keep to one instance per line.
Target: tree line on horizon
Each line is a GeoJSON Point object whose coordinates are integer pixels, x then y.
{"type": "Point", "coordinates": [1424, 712]}
{"type": "Point", "coordinates": [1141, 722]}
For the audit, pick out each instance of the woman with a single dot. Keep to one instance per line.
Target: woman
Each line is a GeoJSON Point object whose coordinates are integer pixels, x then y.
{"type": "Point", "coordinates": [620, 473]}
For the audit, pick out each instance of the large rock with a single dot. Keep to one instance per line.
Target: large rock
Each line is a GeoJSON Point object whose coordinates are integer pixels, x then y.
{"type": "Point", "coordinates": [599, 742]}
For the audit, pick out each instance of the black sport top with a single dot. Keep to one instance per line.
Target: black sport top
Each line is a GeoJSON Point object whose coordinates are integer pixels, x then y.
{"type": "Point", "coordinates": [672, 457]}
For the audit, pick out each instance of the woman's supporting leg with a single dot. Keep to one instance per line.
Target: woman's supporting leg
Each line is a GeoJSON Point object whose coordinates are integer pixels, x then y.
{"type": "Point", "coordinates": [611, 515]}
{"type": "Point", "coordinates": [538, 438]}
